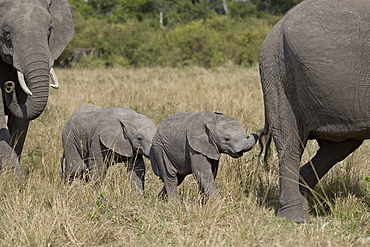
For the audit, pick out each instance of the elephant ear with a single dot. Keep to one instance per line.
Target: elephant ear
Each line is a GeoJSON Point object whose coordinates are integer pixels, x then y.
{"type": "Point", "coordinates": [112, 135]}
{"type": "Point", "coordinates": [199, 135]}
{"type": "Point", "coordinates": [63, 30]}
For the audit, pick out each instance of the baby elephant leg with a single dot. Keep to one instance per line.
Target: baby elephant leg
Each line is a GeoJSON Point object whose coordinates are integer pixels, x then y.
{"type": "Point", "coordinates": [97, 163]}
{"type": "Point", "coordinates": [136, 172]}
{"type": "Point", "coordinates": [168, 175]}
{"type": "Point", "coordinates": [205, 171]}
{"type": "Point", "coordinates": [163, 193]}
{"type": "Point", "coordinates": [73, 164]}
{"type": "Point", "coordinates": [170, 189]}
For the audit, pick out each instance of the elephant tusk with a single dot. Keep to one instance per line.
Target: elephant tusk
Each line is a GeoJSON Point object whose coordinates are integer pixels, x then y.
{"type": "Point", "coordinates": [9, 86]}
{"type": "Point", "coordinates": [54, 78]}
{"type": "Point", "coordinates": [23, 84]}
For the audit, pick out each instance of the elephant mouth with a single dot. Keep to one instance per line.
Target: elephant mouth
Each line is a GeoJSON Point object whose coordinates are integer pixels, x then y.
{"type": "Point", "coordinates": [236, 155]}
{"type": "Point", "coordinates": [142, 152]}
{"type": "Point", "coordinates": [25, 88]}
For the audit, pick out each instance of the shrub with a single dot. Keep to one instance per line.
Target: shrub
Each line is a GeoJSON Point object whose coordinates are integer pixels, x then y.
{"type": "Point", "coordinates": [206, 43]}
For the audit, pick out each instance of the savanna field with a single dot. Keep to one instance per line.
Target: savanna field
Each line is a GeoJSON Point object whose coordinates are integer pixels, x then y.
{"type": "Point", "coordinates": [42, 211]}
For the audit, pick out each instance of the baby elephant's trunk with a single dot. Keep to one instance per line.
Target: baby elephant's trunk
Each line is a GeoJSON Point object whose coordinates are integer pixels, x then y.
{"type": "Point", "coordinates": [146, 150]}
{"type": "Point", "coordinates": [248, 143]}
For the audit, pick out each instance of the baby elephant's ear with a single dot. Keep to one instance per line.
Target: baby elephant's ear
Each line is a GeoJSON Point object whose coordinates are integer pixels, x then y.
{"type": "Point", "coordinates": [199, 136]}
{"type": "Point", "coordinates": [112, 135]}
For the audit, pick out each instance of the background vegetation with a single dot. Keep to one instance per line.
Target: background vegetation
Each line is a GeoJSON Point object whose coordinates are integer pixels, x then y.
{"type": "Point", "coordinates": [43, 212]}
{"type": "Point", "coordinates": [207, 33]}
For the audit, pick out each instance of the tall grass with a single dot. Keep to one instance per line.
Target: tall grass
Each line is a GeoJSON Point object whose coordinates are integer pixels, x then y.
{"type": "Point", "coordinates": [42, 211]}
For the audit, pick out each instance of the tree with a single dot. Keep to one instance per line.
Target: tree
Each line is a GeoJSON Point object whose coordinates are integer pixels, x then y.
{"type": "Point", "coordinates": [136, 10]}
{"type": "Point", "coordinates": [81, 9]}
{"type": "Point", "coordinates": [275, 6]}
{"type": "Point", "coordinates": [103, 7]}
{"type": "Point", "coordinates": [187, 10]}
{"type": "Point", "coordinates": [242, 9]}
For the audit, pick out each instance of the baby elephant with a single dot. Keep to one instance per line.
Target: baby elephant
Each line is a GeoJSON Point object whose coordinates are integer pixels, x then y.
{"type": "Point", "coordinates": [95, 137]}
{"type": "Point", "coordinates": [188, 143]}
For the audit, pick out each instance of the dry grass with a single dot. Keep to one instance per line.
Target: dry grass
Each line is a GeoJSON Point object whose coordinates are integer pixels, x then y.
{"type": "Point", "coordinates": [44, 212]}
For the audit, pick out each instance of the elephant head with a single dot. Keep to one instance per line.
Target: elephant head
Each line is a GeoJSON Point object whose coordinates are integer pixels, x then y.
{"type": "Point", "coordinates": [215, 133]}
{"type": "Point", "coordinates": [33, 33]}
{"type": "Point", "coordinates": [127, 136]}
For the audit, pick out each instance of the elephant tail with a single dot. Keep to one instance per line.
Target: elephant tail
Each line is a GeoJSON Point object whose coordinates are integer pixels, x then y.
{"type": "Point", "coordinates": [265, 139]}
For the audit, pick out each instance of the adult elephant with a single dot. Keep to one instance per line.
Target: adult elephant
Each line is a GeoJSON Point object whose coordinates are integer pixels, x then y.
{"type": "Point", "coordinates": [33, 33]}
{"type": "Point", "coordinates": [315, 74]}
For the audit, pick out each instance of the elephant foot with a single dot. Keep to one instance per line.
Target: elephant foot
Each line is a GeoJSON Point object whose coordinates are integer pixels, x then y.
{"type": "Point", "coordinates": [294, 213]}
{"type": "Point", "coordinates": [212, 197]}
{"type": "Point", "coordinates": [137, 185]}
{"type": "Point", "coordinates": [171, 199]}
{"type": "Point", "coordinates": [12, 166]}
{"type": "Point", "coordinates": [163, 194]}
{"type": "Point", "coordinates": [19, 173]}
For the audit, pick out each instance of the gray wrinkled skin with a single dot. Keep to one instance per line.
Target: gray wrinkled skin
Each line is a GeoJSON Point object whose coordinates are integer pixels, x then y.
{"type": "Point", "coordinates": [33, 33]}
{"type": "Point", "coordinates": [315, 74]}
{"type": "Point", "coordinates": [191, 143]}
{"type": "Point", "coordinates": [96, 137]}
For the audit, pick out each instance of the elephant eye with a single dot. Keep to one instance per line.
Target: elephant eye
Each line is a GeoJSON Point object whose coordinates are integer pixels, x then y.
{"type": "Point", "coordinates": [227, 138]}
{"type": "Point", "coordinates": [6, 34]}
{"type": "Point", "coordinates": [140, 138]}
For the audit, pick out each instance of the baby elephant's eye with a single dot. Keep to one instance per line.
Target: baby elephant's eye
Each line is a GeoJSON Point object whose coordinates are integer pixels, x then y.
{"type": "Point", "coordinates": [140, 138]}
{"type": "Point", "coordinates": [227, 138]}
{"type": "Point", "coordinates": [6, 34]}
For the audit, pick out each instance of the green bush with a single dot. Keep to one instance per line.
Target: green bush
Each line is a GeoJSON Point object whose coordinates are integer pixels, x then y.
{"type": "Point", "coordinates": [242, 9]}
{"type": "Point", "coordinates": [206, 43]}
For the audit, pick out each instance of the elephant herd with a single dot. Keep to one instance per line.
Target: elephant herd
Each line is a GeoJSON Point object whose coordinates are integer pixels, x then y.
{"type": "Point", "coordinates": [315, 76]}
{"type": "Point", "coordinates": [185, 143]}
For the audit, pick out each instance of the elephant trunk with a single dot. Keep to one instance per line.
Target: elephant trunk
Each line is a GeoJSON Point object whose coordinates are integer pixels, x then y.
{"type": "Point", "coordinates": [29, 105]}
{"type": "Point", "coordinates": [146, 150]}
{"type": "Point", "coordinates": [248, 143]}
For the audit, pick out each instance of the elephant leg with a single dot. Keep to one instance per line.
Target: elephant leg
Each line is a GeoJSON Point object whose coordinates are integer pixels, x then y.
{"type": "Point", "coordinates": [286, 129]}
{"type": "Point", "coordinates": [163, 194]}
{"type": "Point", "coordinates": [74, 163]}
{"type": "Point", "coordinates": [18, 130]}
{"type": "Point", "coordinates": [214, 165]}
{"type": "Point", "coordinates": [8, 157]}
{"type": "Point", "coordinates": [290, 147]}
{"type": "Point", "coordinates": [326, 157]}
{"type": "Point", "coordinates": [204, 173]}
{"type": "Point", "coordinates": [170, 189]}
{"type": "Point", "coordinates": [136, 172]}
{"type": "Point", "coordinates": [168, 175]}
{"type": "Point", "coordinates": [97, 167]}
